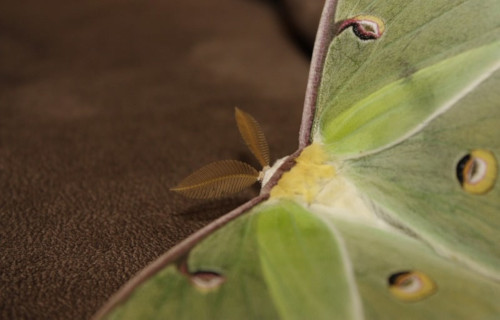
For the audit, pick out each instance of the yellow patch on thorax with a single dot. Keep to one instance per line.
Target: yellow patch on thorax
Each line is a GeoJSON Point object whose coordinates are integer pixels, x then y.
{"type": "Point", "coordinates": [307, 177]}
{"type": "Point", "coordinates": [318, 181]}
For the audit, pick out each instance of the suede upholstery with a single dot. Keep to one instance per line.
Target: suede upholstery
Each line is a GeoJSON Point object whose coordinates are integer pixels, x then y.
{"type": "Point", "coordinates": [104, 105]}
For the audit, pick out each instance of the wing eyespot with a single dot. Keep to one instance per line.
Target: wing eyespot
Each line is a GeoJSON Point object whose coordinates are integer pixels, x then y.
{"type": "Point", "coordinates": [365, 27]}
{"type": "Point", "coordinates": [477, 171]}
{"type": "Point", "coordinates": [411, 285]}
{"type": "Point", "coordinates": [203, 280]}
{"type": "Point", "coordinates": [206, 281]}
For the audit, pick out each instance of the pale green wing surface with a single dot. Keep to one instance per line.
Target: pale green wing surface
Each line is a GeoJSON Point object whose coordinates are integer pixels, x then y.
{"type": "Point", "coordinates": [401, 108]}
{"type": "Point", "coordinates": [172, 293]}
{"type": "Point", "coordinates": [376, 255]}
{"type": "Point", "coordinates": [374, 93]}
{"type": "Point", "coordinates": [304, 265]}
{"type": "Point", "coordinates": [277, 261]}
{"type": "Point", "coordinates": [415, 183]}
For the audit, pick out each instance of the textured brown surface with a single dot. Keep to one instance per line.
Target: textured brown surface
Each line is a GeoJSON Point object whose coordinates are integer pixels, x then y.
{"type": "Point", "coordinates": [105, 104]}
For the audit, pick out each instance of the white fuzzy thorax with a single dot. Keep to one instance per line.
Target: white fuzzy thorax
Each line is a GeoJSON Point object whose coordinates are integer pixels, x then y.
{"type": "Point", "coordinates": [268, 172]}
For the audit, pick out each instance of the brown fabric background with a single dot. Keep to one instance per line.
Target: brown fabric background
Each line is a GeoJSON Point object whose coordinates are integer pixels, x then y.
{"type": "Point", "coordinates": [104, 105]}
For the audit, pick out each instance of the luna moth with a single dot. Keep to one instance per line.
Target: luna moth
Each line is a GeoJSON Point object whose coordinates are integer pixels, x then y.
{"type": "Point", "coordinates": [390, 208]}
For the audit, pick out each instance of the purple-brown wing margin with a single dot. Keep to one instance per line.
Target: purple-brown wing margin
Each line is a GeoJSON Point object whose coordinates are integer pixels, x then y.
{"type": "Point", "coordinates": [183, 248]}
{"type": "Point", "coordinates": [173, 255]}
{"type": "Point", "coordinates": [323, 38]}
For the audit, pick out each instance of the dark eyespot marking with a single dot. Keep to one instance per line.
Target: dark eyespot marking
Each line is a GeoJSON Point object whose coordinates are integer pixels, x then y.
{"type": "Point", "coordinates": [365, 27]}
{"type": "Point", "coordinates": [203, 280]}
{"type": "Point", "coordinates": [207, 280]}
{"type": "Point", "coordinates": [477, 171]}
{"type": "Point", "coordinates": [411, 285]}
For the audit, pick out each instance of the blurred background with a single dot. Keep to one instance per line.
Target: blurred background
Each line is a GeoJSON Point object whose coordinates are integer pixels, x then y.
{"type": "Point", "coordinates": [104, 105]}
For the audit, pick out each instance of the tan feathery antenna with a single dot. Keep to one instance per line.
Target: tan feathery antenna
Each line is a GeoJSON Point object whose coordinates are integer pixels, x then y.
{"type": "Point", "coordinates": [218, 179]}
{"type": "Point", "coordinates": [254, 137]}
{"type": "Point", "coordinates": [226, 177]}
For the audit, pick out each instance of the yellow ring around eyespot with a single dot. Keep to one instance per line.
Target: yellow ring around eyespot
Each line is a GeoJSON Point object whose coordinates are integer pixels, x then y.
{"type": "Point", "coordinates": [380, 23]}
{"type": "Point", "coordinates": [488, 180]}
{"type": "Point", "coordinates": [424, 288]}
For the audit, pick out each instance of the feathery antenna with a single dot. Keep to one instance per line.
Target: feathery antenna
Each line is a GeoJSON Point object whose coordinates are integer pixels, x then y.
{"type": "Point", "coordinates": [253, 136]}
{"type": "Point", "coordinates": [218, 179]}
{"type": "Point", "coordinates": [222, 178]}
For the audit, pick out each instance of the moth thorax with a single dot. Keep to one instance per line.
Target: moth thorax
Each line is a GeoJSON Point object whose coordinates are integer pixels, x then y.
{"type": "Point", "coordinates": [267, 172]}
{"type": "Point", "coordinates": [306, 178]}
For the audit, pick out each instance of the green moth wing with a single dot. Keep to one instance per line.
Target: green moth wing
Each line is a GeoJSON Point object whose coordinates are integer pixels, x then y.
{"type": "Point", "coordinates": [238, 273]}
{"type": "Point", "coordinates": [403, 129]}
{"type": "Point", "coordinates": [378, 255]}
{"type": "Point", "coordinates": [388, 210]}
{"type": "Point", "coordinates": [280, 260]}
{"type": "Point", "coordinates": [416, 185]}
{"type": "Point", "coordinates": [426, 55]}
